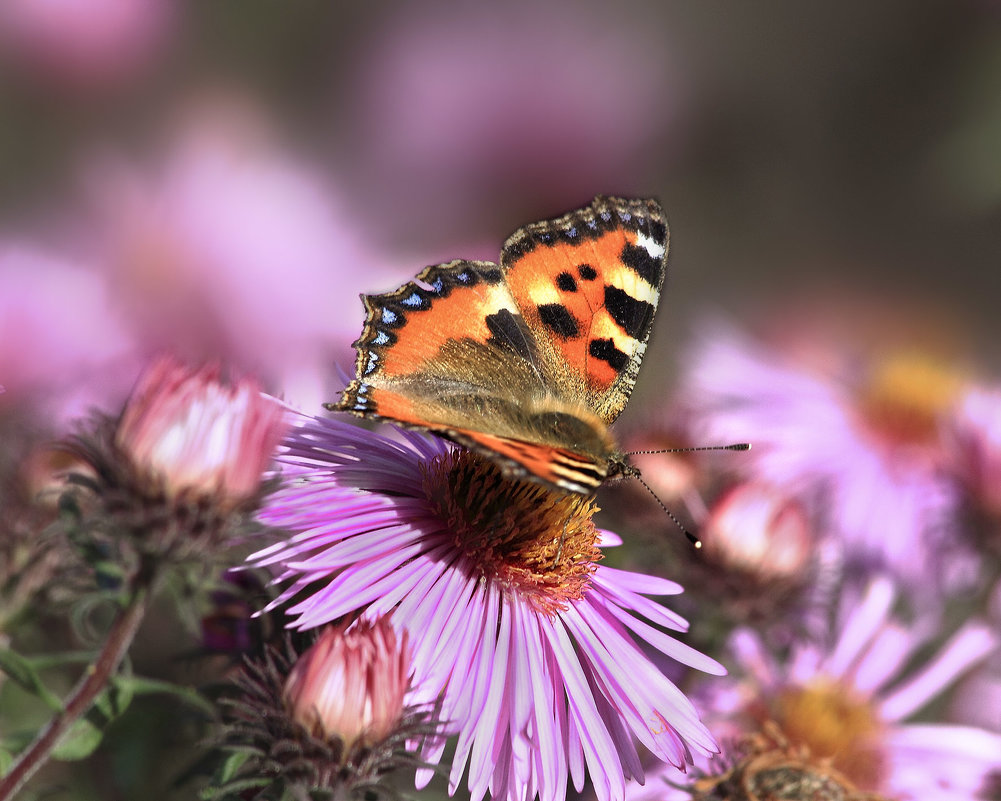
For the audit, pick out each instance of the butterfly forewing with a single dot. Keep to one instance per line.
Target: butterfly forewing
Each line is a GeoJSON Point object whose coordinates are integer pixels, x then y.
{"type": "Point", "coordinates": [587, 285]}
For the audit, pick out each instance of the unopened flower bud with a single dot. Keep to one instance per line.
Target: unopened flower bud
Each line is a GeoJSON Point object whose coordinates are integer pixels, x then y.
{"type": "Point", "coordinates": [754, 528]}
{"type": "Point", "coordinates": [351, 683]}
{"type": "Point", "coordinates": [178, 471]}
{"type": "Point", "coordinates": [189, 434]}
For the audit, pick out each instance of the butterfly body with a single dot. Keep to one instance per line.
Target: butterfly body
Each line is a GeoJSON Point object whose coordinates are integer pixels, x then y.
{"type": "Point", "coordinates": [527, 361]}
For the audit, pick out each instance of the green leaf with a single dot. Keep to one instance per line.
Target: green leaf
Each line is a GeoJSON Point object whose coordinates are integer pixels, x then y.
{"type": "Point", "coordinates": [20, 670]}
{"type": "Point", "coordinates": [79, 742]}
{"type": "Point", "coordinates": [231, 766]}
{"type": "Point", "coordinates": [86, 733]}
{"type": "Point", "coordinates": [54, 660]}
{"type": "Point", "coordinates": [6, 760]}
{"type": "Point", "coordinates": [137, 685]}
{"type": "Point", "coordinates": [233, 789]}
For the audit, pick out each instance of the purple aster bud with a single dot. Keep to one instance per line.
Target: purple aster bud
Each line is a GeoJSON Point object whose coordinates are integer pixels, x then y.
{"type": "Point", "coordinates": [330, 719]}
{"type": "Point", "coordinates": [761, 560]}
{"type": "Point", "coordinates": [351, 683]}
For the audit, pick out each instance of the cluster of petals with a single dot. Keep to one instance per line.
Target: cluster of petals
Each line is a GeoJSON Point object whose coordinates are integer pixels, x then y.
{"type": "Point", "coordinates": [351, 683]}
{"type": "Point", "coordinates": [534, 696]}
{"type": "Point", "coordinates": [888, 505]}
{"type": "Point", "coordinates": [869, 661]}
{"type": "Point", "coordinates": [190, 433]}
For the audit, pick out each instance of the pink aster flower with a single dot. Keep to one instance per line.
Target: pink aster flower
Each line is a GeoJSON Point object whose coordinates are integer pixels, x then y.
{"type": "Point", "coordinates": [62, 344]}
{"type": "Point", "coordinates": [210, 244]}
{"type": "Point", "coordinates": [474, 123]}
{"type": "Point", "coordinates": [867, 441]}
{"type": "Point", "coordinates": [856, 702]}
{"type": "Point", "coordinates": [519, 633]}
{"type": "Point", "coordinates": [83, 43]}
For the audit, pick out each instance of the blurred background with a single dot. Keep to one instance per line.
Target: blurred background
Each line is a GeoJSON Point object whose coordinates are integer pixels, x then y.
{"type": "Point", "coordinates": [221, 179]}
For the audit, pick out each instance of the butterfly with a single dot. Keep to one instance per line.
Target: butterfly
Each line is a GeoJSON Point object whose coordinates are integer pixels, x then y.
{"type": "Point", "coordinates": [527, 361]}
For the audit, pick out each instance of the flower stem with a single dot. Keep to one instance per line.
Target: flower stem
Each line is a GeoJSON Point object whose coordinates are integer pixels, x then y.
{"type": "Point", "coordinates": [120, 637]}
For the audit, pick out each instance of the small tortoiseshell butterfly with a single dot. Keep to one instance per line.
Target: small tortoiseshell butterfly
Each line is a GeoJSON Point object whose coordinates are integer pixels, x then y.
{"type": "Point", "coordinates": [529, 361]}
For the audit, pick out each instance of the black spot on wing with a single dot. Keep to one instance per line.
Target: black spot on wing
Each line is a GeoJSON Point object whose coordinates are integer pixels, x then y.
{"type": "Point", "coordinates": [559, 320]}
{"type": "Point", "coordinates": [566, 282]}
{"type": "Point", "coordinates": [658, 230]}
{"type": "Point", "coordinates": [605, 350]}
{"type": "Point", "coordinates": [633, 316]}
{"type": "Point", "coordinates": [640, 260]}
{"type": "Point", "coordinates": [587, 272]}
{"type": "Point", "coordinates": [508, 330]}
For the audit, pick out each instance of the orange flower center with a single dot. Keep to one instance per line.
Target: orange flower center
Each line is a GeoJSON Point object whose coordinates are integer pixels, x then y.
{"type": "Point", "coordinates": [905, 395]}
{"type": "Point", "coordinates": [834, 722]}
{"type": "Point", "coordinates": [522, 535]}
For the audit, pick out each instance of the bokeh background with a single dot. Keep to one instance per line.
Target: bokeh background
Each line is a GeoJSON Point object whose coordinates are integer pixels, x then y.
{"type": "Point", "coordinates": [221, 179]}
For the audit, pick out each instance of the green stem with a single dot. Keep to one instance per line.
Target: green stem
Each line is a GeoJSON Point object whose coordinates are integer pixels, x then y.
{"type": "Point", "coordinates": [120, 637]}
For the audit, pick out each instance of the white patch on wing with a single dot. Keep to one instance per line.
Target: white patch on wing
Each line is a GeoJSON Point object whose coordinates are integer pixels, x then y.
{"type": "Point", "coordinates": [630, 283]}
{"type": "Point", "coordinates": [652, 246]}
{"type": "Point", "coordinates": [542, 294]}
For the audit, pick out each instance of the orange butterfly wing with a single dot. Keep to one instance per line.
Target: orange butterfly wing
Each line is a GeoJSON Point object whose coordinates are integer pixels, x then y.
{"type": "Point", "coordinates": [529, 361]}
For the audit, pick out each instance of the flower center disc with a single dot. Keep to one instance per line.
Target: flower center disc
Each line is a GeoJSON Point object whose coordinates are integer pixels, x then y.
{"type": "Point", "coordinates": [522, 535]}
{"type": "Point", "coordinates": [833, 722]}
{"type": "Point", "coordinates": [905, 395]}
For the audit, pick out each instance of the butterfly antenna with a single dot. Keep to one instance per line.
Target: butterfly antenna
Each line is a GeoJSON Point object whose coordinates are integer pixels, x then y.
{"type": "Point", "coordinates": [737, 446]}
{"type": "Point", "coordinates": [691, 537]}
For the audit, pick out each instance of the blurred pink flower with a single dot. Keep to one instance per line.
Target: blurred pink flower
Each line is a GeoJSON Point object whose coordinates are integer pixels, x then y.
{"type": "Point", "coordinates": [62, 346]}
{"type": "Point", "coordinates": [83, 43]}
{"type": "Point", "coordinates": [190, 436]}
{"type": "Point", "coordinates": [868, 441]}
{"type": "Point", "coordinates": [754, 528]}
{"type": "Point", "coordinates": [976, 446]}
{"type": "Point", "coordinates": [854, 700]}
{"type": "Point", "coordinates": [464, 110]}
{"type": "Point", "coordinates": [233, 249]}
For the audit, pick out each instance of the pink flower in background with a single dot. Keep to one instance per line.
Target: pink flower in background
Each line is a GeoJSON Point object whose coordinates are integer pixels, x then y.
{"type": "Point", "coordinates": [462, 111]}
{"type": "Point", "coordinates": [63, 346]}
{"type": "Point", "coordinates": [83, 43]}
{"type": "Point", "coordinates": [233, 249]}
{"type": "Point", "coordinates": [976, 446]}
{"type": "Point", "coordinates": [754, 528]}
{"type": "Point", "coordinates": [868, 443]}
{"type": "Point", "coordinates": [524, 638]}
{"type": "Point", "coordinates": [855, 699]}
